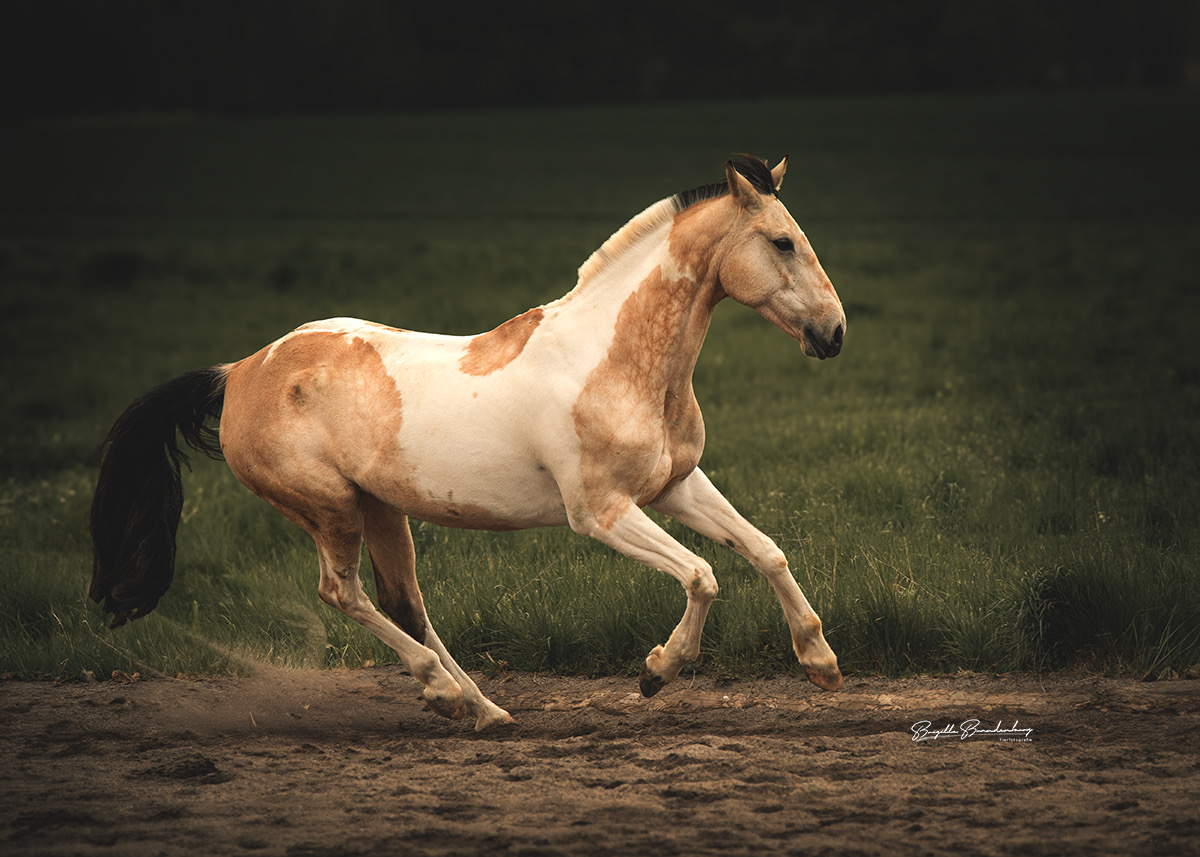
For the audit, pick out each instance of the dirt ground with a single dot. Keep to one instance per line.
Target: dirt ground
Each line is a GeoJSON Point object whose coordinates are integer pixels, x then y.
{"type": "Point", "coordinates": [348, 762]}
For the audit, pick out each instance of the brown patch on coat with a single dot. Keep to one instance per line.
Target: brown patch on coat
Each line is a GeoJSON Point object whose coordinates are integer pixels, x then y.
{"type": "Point", "coordinates": [312, 423]}
{"type": "Point", "coordinates": [495, 349]}
{"type": "Point", "coordinates": [305, 421]}
{"type": "Point", "coordinates": [637, 418]}
{"type": "Point", "coordinates": [695, 232]}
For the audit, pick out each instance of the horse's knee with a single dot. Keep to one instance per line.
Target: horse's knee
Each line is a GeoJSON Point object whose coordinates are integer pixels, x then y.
{"type": "Point", "coordinates": [770, 560]}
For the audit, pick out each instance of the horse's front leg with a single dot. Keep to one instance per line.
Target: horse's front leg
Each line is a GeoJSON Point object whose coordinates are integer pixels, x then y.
{"type": "Point", "coordinates": [696, 503]}
{"type": "Point", "coordinates": [626, 528]}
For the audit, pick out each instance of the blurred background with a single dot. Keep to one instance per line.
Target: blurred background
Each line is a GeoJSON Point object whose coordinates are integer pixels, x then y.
{"type": "Point", "coordinates": [255, 56]}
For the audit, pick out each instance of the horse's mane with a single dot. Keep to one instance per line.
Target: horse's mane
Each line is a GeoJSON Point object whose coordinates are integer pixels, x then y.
{"type": "Point", "coordinates": [753, 169]}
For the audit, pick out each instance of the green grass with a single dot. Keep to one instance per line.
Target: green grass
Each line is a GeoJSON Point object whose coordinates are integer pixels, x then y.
{"type": "Point", "coordinates": [999, 472]}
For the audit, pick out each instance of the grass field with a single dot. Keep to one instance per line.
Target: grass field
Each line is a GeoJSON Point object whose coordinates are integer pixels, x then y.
{"type": "Point", "coordinates": [999, 472]}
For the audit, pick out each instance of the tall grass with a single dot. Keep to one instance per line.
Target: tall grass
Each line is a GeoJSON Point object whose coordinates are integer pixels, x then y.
{"type": "Point", "coordinates": [998, 473]}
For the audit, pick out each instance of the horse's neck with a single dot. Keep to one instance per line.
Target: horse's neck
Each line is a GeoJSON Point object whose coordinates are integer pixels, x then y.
{"type": "Point", "coordinates": [637, 311]}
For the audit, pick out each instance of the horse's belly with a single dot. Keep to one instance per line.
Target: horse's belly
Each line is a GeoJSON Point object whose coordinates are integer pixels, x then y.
{"type": "Point", "coordinates": [485, 514]}
{"type": "Point", "coordinates": [464, 491]}
{"type": "Point", "coordinates": [467, 467]}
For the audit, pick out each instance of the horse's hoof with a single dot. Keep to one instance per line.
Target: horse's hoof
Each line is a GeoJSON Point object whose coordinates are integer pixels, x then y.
{"type": "Point", "coordinates": [826, 680]}
{"type": "Point", "coordinates": [490, 719]}
{"type": "Point", "coordinates": [650, 683]}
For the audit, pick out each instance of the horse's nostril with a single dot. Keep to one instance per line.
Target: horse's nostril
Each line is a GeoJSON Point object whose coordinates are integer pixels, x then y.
{"type": "Point", "coordinates": [837, 336]}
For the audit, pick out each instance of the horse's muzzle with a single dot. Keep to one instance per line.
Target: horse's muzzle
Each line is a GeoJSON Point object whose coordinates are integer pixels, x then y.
{"type": "Point", "coordinates": [824, 346]}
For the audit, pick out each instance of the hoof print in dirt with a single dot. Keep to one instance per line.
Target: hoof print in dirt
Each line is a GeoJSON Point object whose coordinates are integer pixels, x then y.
{"type": "Point", "coordinates": [195, 767]}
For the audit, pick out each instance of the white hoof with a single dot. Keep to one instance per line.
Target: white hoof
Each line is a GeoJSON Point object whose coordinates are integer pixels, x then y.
{"type": "Point", "coordinates": [492, 715]}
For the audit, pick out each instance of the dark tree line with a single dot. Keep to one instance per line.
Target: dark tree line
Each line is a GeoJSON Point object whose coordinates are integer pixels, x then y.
{"type": "Point", "coordinates": [239, 56]}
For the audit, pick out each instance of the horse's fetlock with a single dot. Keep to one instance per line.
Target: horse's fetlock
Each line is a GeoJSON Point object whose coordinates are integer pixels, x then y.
{"type": "Point", "coordinates": [446, 700]}
{"type": "Point", "coordinates": [703, 585]}
{"type": "Point", "coordinates": [428, 670]}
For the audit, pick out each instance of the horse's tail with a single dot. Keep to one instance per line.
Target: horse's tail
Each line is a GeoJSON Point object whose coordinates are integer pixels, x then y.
{"type": "Point", "coordinates": [139, 495]}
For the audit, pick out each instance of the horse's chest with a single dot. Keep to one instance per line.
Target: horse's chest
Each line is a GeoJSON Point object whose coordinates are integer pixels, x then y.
{"type": "Point", "coordinates": [643, 450]}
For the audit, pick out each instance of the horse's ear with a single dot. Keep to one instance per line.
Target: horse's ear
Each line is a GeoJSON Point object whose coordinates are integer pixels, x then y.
{"type": "Point", "coordinates": [743, 193]}
{"type": "Point", "coordinates": [778, 171]}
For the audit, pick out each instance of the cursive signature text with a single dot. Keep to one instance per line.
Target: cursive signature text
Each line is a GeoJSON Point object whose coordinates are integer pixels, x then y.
{"type": "Point", "coordinates": [925, 731]}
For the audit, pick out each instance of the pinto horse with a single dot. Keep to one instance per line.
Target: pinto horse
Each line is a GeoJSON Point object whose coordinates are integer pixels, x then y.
{"type": "Point", "coordinates": [580, 412]}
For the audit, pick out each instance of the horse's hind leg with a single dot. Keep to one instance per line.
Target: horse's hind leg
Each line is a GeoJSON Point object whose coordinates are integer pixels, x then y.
{"type": "Point", "coordinates": [341, 587]}
{"type": "Point", "coordinates": [393, 558]}
{"type": "Point", "coordinates": [394, 563]}
{"type": "Point", "coordinates": [326, 507]}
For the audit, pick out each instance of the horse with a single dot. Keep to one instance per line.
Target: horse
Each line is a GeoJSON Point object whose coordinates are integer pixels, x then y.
{"type": "Point", "coordinates": [579, 412]}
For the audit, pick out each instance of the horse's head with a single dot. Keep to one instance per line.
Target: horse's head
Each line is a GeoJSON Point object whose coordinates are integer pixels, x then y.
{"type": "Point", "coordinates": [768, 264]}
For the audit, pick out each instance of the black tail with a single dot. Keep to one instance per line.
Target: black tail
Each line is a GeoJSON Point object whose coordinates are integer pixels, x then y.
{"type": "Point", "coordinates": [139, 496]}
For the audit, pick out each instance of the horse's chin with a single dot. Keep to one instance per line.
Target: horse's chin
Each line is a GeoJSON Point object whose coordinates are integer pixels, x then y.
{"type": "Point", "coordinates": [812, 348]}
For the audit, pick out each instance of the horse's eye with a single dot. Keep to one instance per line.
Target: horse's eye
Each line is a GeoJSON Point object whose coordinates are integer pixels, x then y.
{"type": "Point", "coordinates": [784, 245]}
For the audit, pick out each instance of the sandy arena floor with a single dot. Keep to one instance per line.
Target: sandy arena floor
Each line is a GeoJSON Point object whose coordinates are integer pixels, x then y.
{"type": "Point", "coordinates": [348, 762]}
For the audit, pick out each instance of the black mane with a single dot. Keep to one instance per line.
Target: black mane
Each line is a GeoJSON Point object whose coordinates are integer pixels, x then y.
{"type": "Point", "coordinates": [753, 169]}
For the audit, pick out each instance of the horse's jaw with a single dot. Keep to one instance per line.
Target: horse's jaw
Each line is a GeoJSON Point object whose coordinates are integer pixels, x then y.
{"type": "Point", "coordinates": [820, 337]}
